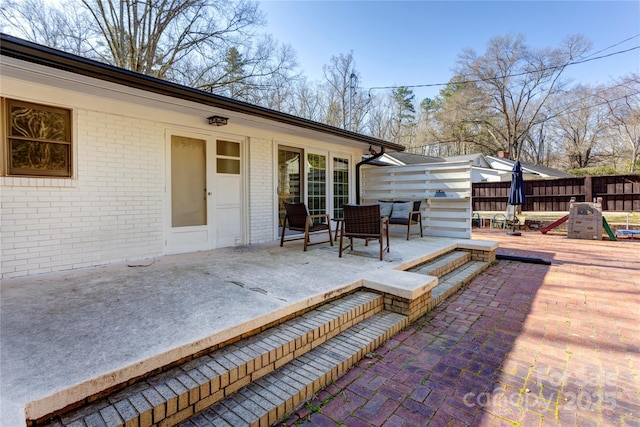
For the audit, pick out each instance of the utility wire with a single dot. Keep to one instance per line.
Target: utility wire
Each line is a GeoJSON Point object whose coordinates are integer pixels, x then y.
{"type": "Point", "coordinates": [582, 61]}
{"type": "Point", "coordinates": [566, 108]}
{"type": "Point", "coordinates": [546, 118]}
{"type": "Point", "coordinates": [613, 45]}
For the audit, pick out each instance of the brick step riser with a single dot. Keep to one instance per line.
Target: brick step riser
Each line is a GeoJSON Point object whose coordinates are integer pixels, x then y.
{"type": "Point", "coordinates": [455, 280]}
{"type": "Point", "coordinates": [165, 399]}
{"type": "Point", "coordinates": [444, 264]}
{"type": "Point", "coordinates": [269, 399]}
{"type": "Point", "coordinates": [454, 269]}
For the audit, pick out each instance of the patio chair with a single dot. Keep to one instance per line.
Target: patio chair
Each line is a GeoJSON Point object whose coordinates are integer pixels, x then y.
{"type": "Point", "coordinates": [511, 219]}
{"type": "Point", "coordinates": [297, 218]}
{"type": "Point", "coordinates": [403, 213]}
{"type": "Point", "coordinates": [476, 221]}
{"type": "Point", "coordinates": [364, 222]}
{"type": "Point", "coordinates": [499, 220]}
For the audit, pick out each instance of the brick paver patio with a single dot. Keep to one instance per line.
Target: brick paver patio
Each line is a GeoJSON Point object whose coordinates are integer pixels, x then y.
{"type": "Point", "coordinates": [523, 344]}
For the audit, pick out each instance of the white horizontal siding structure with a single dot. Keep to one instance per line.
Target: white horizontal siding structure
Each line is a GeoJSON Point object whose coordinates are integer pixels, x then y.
{"type": "Point", "coordinates": [114, 208]}
{"type": "Point", "coordinates": [445, 215]}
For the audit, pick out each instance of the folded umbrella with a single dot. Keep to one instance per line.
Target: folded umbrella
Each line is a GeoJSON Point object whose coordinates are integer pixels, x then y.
{"type": "Point", "coordinates": [516, 193]}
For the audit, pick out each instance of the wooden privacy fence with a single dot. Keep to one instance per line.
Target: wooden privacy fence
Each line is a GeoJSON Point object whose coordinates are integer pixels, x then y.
{"type": "Point", "coordinates": [444, 188]}
{"type": "Point", "coordinates": [618, 192]}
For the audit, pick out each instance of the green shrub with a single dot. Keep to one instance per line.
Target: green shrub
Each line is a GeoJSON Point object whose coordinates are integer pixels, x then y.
{"type": "Point", "coordinates": [596, 171]}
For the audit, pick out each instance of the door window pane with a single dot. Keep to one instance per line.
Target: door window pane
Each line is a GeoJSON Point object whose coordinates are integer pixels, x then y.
{"type": "Point", "coordinates": [340, 185]}
{"type": "Point", "coordinates": [228, 166]}
{"type": "Point", "coordinates": [188, 182]}
{"type": "Point", "coordinates": [228, 157]}
{"type": "Point", "coordinates": [317, 184]}
{"type": "Point", "coordinates": [289, 178]}
{"type": "Point", "coordinates": [227, 148]}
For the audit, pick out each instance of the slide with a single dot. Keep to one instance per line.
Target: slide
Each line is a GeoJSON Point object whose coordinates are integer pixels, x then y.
{"type": "Point", "coordinates": [611, 234]}
{"type": "Point", "coordinates": [554, 224]}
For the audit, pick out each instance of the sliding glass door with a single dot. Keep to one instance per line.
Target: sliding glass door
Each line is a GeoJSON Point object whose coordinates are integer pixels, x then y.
{"type": "Point", "coordinates": [316, 184]}
{"type": "Point", "coordinates": [340, 185]}
{"type": "Point", "coordinates": [319, 179]}
{"type": "Point", "coordinates": [289, 178]}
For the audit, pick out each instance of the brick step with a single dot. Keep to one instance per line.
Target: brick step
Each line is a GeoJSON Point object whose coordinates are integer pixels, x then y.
{"type": "Point", "coordinates": [269, 399]}
{"type": "Point", "coordinates": [451, 282]}
{"type": "Point", "coordinates": [454, 269]}
{"type": "Point", "coordinates": [443, 264]}
{"type": "Point", "coordinates": [172, 396]}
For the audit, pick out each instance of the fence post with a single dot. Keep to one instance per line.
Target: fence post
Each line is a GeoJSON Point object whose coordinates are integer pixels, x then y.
{"type": "Point", "coordinates": [588, 189]}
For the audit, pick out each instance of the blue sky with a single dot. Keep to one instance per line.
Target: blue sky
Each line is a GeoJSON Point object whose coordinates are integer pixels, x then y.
{"type": "Point", "coordinates": [417, 42]}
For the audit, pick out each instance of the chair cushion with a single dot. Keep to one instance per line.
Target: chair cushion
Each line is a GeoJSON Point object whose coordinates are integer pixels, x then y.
{"type": "Point", "coordinates": [385, 208]}
{"type": "Point", "coordinates": [318, 227]}
{"type": "Point", "coordinates": [401, 210]}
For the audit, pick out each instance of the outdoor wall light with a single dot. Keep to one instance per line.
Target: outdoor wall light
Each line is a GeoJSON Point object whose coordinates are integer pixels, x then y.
{"type": "Point", "coordinates": [217, 120]}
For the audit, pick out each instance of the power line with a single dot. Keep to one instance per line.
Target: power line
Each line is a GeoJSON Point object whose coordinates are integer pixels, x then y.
{"type": "Point", "coordinates": [597, 104]}
{"type": "Point", "coordinates": [613, 45]}
{"type": "Point", "coordinates": [567, 111]}
{"type": "Point", "coordinates": [582, 61]}
{"type": "Point", "coordinates": [566, 108]}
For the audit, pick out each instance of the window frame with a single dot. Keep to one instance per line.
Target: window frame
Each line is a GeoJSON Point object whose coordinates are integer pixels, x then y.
{"type": "Point", "coordinates": [7, 169]}
{"type": "Point", "coordinates": [221, 157]}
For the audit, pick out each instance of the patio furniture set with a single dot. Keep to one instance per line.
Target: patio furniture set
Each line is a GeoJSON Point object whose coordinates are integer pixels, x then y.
{"type": "Point", "coordinates": [367, 222]}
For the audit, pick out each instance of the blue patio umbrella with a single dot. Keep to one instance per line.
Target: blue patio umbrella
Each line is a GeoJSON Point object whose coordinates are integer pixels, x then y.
{"type": "Point", "coordinates": [516, 193]}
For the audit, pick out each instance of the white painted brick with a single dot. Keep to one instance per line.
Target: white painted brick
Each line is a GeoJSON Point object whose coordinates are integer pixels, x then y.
{"type": "Point", "coordinates": [114, 207]}
{"type": "Point", "coordinates": [44, 218]}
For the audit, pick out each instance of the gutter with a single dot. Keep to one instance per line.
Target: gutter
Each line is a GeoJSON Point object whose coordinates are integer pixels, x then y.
{"type": "Point", "coordinates": [364, 162]}
{"type": "Point", "coordinates": [31, 52]}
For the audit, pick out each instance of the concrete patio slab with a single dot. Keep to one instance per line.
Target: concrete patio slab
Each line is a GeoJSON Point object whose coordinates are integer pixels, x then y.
{"type": "Point", "coordinates": [67, 335]}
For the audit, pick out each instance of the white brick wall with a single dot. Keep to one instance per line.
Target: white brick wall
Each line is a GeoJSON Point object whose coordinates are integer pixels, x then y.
{"type": "Point", "coordinates": [261, 190]}
{"type": "Point", "coordinates": [114, 208]}
{"type": "Point", "coordinates": [110, 212]}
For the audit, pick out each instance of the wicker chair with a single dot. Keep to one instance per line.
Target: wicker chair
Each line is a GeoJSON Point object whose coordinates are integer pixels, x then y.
{"type": "Point", "coordinates": [364, 222]}
{"type": "Point", "coordinates": [297, 218]}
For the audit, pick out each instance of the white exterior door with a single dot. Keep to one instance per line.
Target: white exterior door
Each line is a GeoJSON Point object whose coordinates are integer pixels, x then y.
{"type": "Point", "coordinates": [229, 194]}
{"type": "Point", "coordinates": [204, 193]}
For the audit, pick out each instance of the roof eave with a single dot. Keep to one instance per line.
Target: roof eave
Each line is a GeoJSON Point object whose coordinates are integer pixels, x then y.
{"type": "Point", "coordinates": [20, 49]}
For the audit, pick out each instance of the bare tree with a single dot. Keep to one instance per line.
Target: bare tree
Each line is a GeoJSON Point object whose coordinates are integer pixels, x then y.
{"type": "Point", "coordinates": [580, 127]}
{"type": "Point", "coordinates": [517, 81]}
{"type": "Point", "coordinates": [454, 127]}
{"type": "Point", "coordinates": [536, 148]}
{"type": "Point", "coordinates": [209, 44]}
{"type": "Point", "coordinates": [379, 112]}
{"type": "Point", "coordinates": [337, 75]}
{"type": "Point", "coordinates": [254, 74]}
{"type": "Point", "coordinates": [623, 104]}
{"type": "Point", "coordinates": [307, 101]}
{"type": "Point", "coordinates": [345, 104]}
{"type": "Point", "coordinates": [63, 27]}
{"type": "Point", "coordinates": [152, 37]}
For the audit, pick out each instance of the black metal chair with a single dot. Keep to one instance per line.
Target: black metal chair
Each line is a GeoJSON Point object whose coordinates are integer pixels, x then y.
{"type": "Point", "coordinates": [476, 221]}
{"type": "Point", "coordinates": [499, 221]}
{"type": "Point", "coordinates": [364, 222]}
{"type": "Point", "coordinates": [297, 218]}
